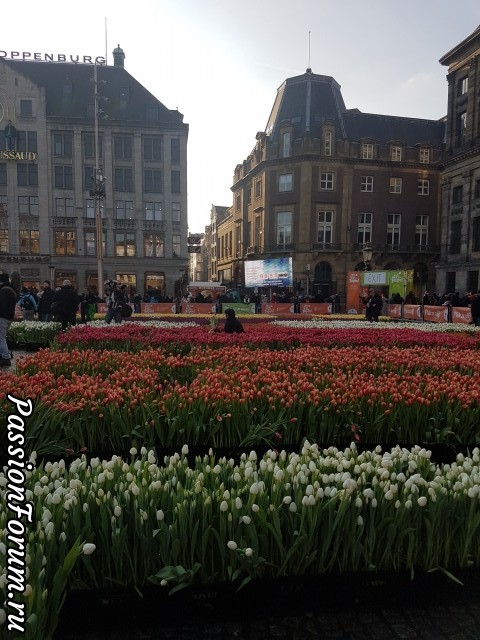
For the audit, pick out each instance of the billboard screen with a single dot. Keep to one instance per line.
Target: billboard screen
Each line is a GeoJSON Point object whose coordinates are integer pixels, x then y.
{"type": "Point", "coordinates": [272, 272]}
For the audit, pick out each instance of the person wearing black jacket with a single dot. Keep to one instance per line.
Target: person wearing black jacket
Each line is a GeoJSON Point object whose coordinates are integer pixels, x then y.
{"type": "Point", "coordinates": [65, 304]}
{"type": "Point", "coordinates": [8, 300]}
{"type": "Point", "coordinates": [373, 306]}
{"type": "Point", "coordinates": [45, 302]}
{"type": "Point", "coordinates": [232, 324]}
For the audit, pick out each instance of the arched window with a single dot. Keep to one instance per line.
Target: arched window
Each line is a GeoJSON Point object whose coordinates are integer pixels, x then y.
{"type": "Point", "coordinates": [286, 145]}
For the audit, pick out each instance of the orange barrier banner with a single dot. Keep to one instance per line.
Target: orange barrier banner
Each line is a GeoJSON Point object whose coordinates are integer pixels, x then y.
{"type": "Point", "coordinates": [412, 312]}
{"type": "Point", "coordinates": [353, 305]}
{"type": "Point", "coordinates": [323, 308]}
{"type": "Point", "coordinates": [274, 308]}
{"type": "Point", "coordinates": [394, 311]}
{"type": "Point", "coordinates": [157, 307]}
{"type": "Point", "coordinates": [461, 315]}
{"type": "Point", "coordinates": [199, 307]}
{"type": "Point", "coordinates": [435, 314]}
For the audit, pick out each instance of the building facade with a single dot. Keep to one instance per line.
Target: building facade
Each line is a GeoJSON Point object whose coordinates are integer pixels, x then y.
{"type": "Point", "coordinates": [323, 181]}
{"type": "Point", "coordinates": [459, 264]}
{"type": "Point", "coordinates": [58, 119]}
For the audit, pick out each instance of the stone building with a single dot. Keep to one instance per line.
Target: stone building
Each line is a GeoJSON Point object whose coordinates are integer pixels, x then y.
{"type": "Point", "coordinates": [459, 264]}
{"type": "Point", "coordinates": [48, 221]}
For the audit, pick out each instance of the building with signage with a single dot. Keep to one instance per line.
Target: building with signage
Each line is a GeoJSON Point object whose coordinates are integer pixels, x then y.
{"type": "Point", "coordinates": [61, 119]}
{"type": "Point", "coordinates": [323, 181]}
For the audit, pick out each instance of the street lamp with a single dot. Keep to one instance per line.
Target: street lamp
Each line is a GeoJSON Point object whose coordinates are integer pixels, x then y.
{"type": "Point", "coordinates": [367, 256]}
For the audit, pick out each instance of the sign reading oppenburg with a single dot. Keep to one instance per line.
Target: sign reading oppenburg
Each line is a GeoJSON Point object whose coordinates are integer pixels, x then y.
{"type": "Point", "coordinates": [52, 57]}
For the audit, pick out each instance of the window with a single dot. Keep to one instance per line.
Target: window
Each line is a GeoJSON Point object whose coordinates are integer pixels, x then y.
{"type": "Point", "coordinates": [325, 227]}
{"type": "Point", "coordinates": [27, 141]}
{"type": "Point", "coordinates": [29, 241]}
{"type": "Point", "coordinates": [175, 245]}
{"type": "Point", "coordinates": [3, 174]}
{"type": "Point", "coordinates": [327, 143]}
{"type": "Point", "coordinates": [123, 179]}
{"type": "Point", "coordinates": [393, 228]}
{"type": "Point", "coordinates": [364, 228]}
{"type": "Point", "coordinates": [153, 245]}
{"type": "Point", "coordinates": [258, 188]}
{"type": "Point", "coordinates": [326, 181]}
{"type": "Point", "coordinates": [461, 127]}
{"type": "Point", "coordinates": [366, 184]}
{"type": "Point", "coordinates": [62, 144]}
{"type": "Point", "coordinates": [125, 245]}
{"type": "Point", "coordinates": [476, 234]}
{"type": "Point", "coordinates": [423, 187]}
{"type": "Point", "coordinates": [89, 146]}
{"type": "Point", "coordinates": [424, 156]}
{"type": "Point", "coordinates": [284, 228]}
{"type": "Point", "coordinates": [395, 185]}
{"type": "Point", "coordinates": [450, 281]}
{"type": "Point", "coordinates": [152, 148]}
{"type": "Point", "coordinates": [249, 196]}
{"type": "Point", "coordinates": [26, 108]}
{"type": "Point", "coordinates": [175, 150]}
{"type": "Point", "coordinates": [89, 208]}
{"type": "Point", "coordinates": [63, 176]}
{"type": "Point", "coordinates": [88, 177]}
{"type": "Point", "coordinates": [3, 205]}
{"type": "Point", "coordinates": [64, 207]}
{"type": "Point", "coordinates": [421, 230]}
{"type": "Point", "coordinates": [176, 211]}
{"type": "Point", "coordinates": [4, 246]}
{"type": "Point", "coordinates": [175, 181]}
{"type": "Point", "coordinates": [367, 151]}
{"type": "Point", "coordinates": [285, 182]}
{"type": "Point", "coordinates": [124, 210]}
{"type": "Point", "coordinates": [90, 244]}
{"type": "Point", "coordinates": [396, 153]}
{"type": "Point", "coordinates": [153, 211]}
{"type": "Point", "coordinates": [472, 280]}
{"type": "Point", "coordinates": [286, 145]}
{"type": "Point", "coordinates": [238, 202]}
{"type": "Point", "coordinates": [477, 189]}
{"type": "Point", "coordinates": [463, 86]}
{"type": "Point", "coordinates": [27, 175]}
{"type": "Point", "coordinates": [456, 236]}
{"type": "Point", "coordinates": [457, 195]}
{"type": "Point", "coordinates": [65, 243]}
{"type": "Point", "coordinates": [122, 147]}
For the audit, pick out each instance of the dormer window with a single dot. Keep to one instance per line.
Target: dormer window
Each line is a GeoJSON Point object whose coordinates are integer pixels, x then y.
{"type": "Point", "coordinates": [367, 151]}
{"type": "Point", "coordinates": [396, 153]}
{"type": "Point", "coordinates": [327, 143]}
{"type": "Point", "coordinates": [424, 156]}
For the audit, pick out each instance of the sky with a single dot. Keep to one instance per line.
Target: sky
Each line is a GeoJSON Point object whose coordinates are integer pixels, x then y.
{"type": "Point", "coordinates": [221, 62]}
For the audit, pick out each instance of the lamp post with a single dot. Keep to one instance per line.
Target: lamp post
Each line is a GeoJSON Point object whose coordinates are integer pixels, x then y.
{"type": "Point", "coordinates": [367, 256]}
{"type": "Point", "coordinates": [98, 191]}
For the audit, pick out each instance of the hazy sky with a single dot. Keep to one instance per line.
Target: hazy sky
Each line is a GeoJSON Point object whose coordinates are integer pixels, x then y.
{"type": "Point", "coordinates": [221, 62]}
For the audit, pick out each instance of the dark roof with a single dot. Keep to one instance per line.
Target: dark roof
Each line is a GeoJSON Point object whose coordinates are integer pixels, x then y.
{"type": "Point", "coordinates": [308, 101]}
{"type": "Point", "coordinates": [69, 92]}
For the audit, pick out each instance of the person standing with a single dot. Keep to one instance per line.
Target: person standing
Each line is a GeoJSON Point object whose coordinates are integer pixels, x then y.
{"type": "Point", "coordinates": [45, 302]}
{"type": "Point", "coordinates": [115, 302]}
{"type": "Point", "coordinates": [27, 304]}
{"type": "Point", "coordinates": [373, 306]}
{"type": "Point", "coordinates": [8, 301]}
{"type": "Point", "coordinates": [475, 308]}
{"type": "Point", "coordinates": [65, 304]}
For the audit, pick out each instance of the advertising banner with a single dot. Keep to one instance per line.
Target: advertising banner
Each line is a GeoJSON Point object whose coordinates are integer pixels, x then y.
{"type": "Point", "coordinates": [353, 292]}
{"type": "Point", "coordinates": [199, 307]}
{"type": "Point", "coordinates": [322, 308]}
{"type": "Point", "coordinates": [435, 314]}
{"type": "Point", "coordinates": [239, 307]}
{"type": "Point", "coordinates": [394, 311]}
{"type": "Point", "coordinates": [275, 308]}
{"type": "Point", "coordinates": [374, 278]}
{"type": "Point", "coordinates": [397, 283]}
{"type": "Point", "coordinates": [461, 315]}
{"type": "Point", "coordinates": [412, 312]}
{"type": "Point", "coordinates": [157, 307]}
{"type": "Point", "coordinates": [272, 272]}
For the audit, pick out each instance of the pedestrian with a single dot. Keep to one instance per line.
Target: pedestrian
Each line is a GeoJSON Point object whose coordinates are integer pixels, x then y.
{"type": "Point", "coordinates": [373, 306]}
{"type": "Point", "coordinates": [27, 304]}
{"type": "Point", "coordinates": [8, 301]}
{"type": "Point", "coordinates": [65, 304]}
{"type": "Point", "coordinates": [45, 303]}
{"type": "Point", "coordinates": [115, 301]}
{"type": "Point", "coordinates": [232, 323]}
{"type": "Point", "coordinates": [475, 307]}
{"type": "Point", "coordinates": [87, 305]}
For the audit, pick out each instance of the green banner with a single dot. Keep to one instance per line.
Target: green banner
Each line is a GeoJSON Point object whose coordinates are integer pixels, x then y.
{"type": "Point", "coordinates": [397, 283]}
{"type": "Point", "coordinates": [239, 307]}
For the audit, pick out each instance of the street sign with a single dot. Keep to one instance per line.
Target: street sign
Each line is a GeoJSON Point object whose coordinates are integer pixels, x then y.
{"type": "Point", "coordinates": [194, 248]}
{"type": "Point", "coordinates": [194, 239]}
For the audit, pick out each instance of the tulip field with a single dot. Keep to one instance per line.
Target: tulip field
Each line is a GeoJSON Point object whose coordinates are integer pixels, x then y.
{"type": "Point", "coordinates": [168, 454]}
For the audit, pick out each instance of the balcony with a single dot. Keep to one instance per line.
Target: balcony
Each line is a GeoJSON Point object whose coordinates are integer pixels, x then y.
{"type": "Point", "coordinates": [326, 246]}
{"type": "Point", "coordinates": [153, 225]}
{"type": "Point", "coordinates": [125, 224]}
{"type": "Point", "coordinates": [280, 248]}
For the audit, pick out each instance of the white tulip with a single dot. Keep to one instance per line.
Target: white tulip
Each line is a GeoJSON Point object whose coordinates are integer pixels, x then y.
{"type": "Point", "coordinates": [232, 545]}
{"type": "Point", "coordinates": [88, 548]}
